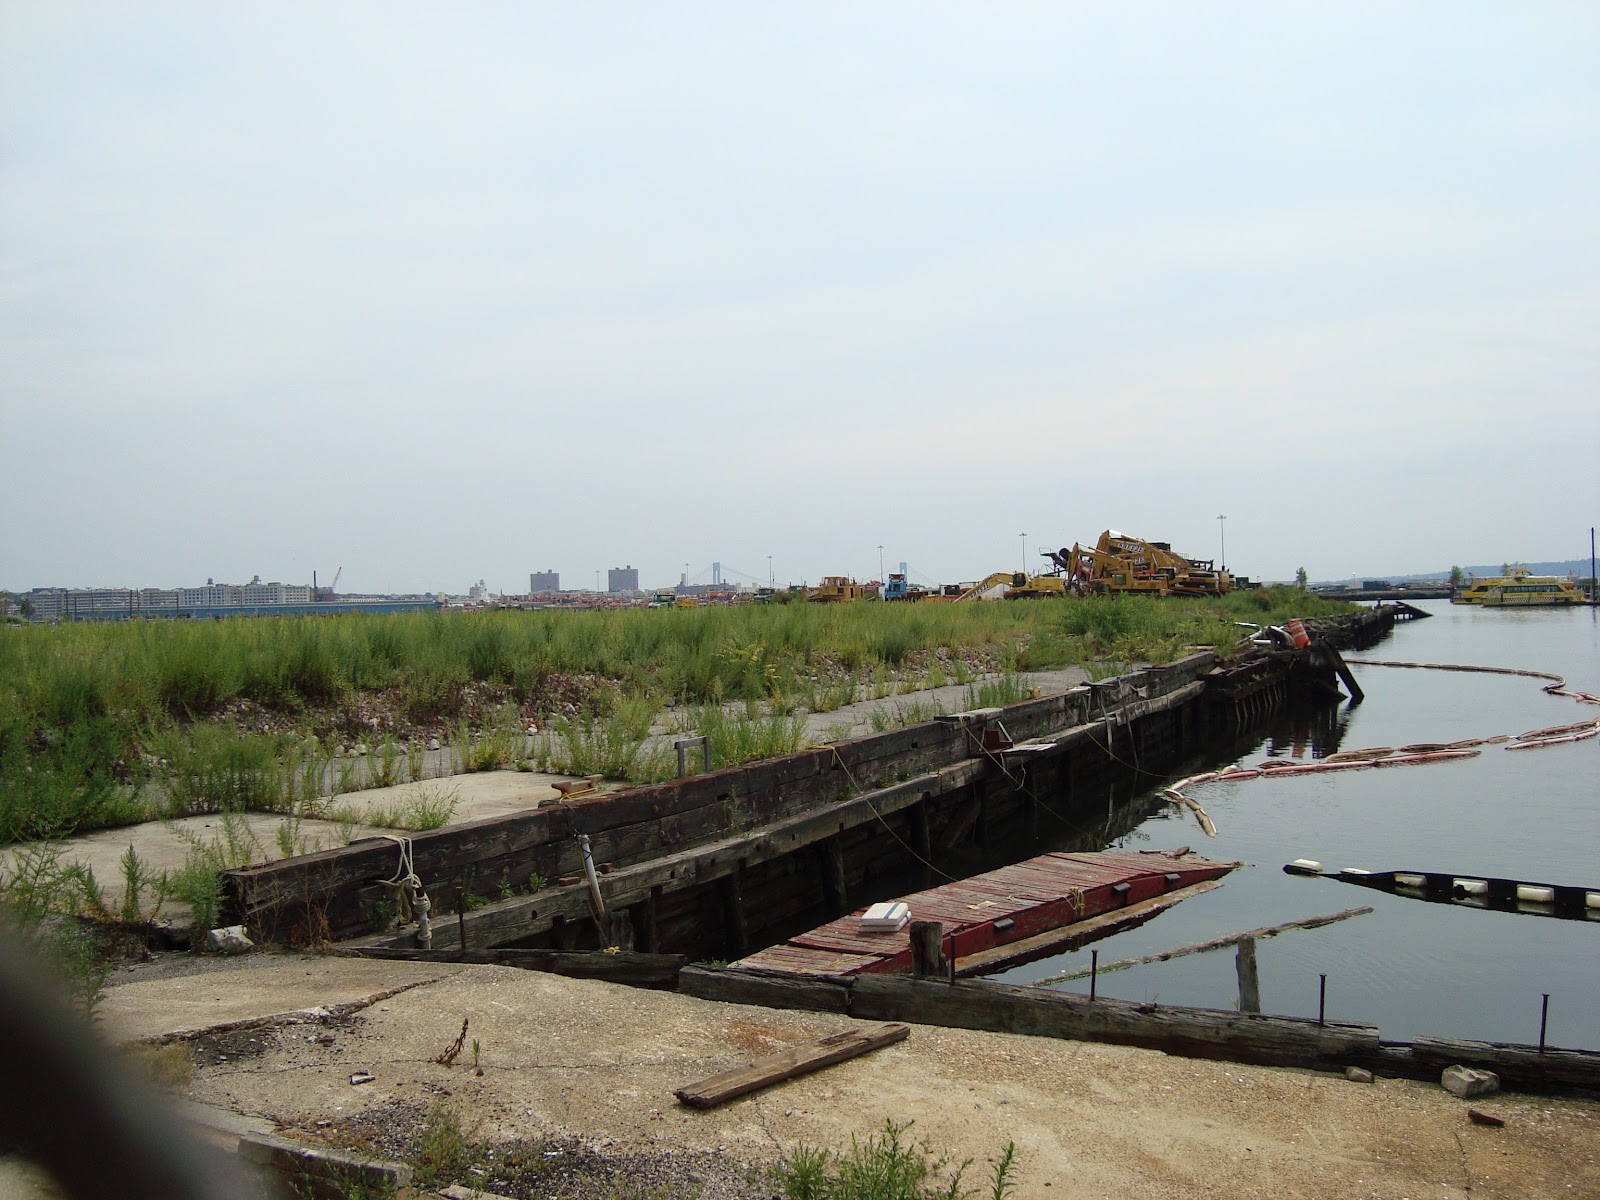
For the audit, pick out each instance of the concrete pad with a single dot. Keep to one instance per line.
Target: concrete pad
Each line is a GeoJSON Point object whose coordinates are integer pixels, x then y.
{"type": "Point", "coordinates": [165, 845]}
{"type": "Point", "coordinates": [579, 1057]}
{"type": "Point", "coordinates": [277, 985]}
{"type": "Point", "coordinates": [857, 720]}
{"type": "Point", "coordinates": [481, 794]}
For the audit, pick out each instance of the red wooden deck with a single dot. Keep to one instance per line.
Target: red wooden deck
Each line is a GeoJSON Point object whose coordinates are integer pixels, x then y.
{"type": "Point", "coordinates": [1051, 892]}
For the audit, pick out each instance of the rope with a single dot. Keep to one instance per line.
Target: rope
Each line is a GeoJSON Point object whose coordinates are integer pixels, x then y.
{"type": "Point", "coordinates": [861, 794]}
{"type": "Point", "coordinates": [405, 881]}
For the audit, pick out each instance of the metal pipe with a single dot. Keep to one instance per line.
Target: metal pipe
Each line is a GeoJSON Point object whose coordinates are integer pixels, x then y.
{"type": "Point", "coordinates": [1322, 999]}
{"type": "Point", "coordinates": [1544, 1017]}
{"type": "Point", "coordinates": [594, 880]}
{"type": "Point", "coordinates": [1094, 968]}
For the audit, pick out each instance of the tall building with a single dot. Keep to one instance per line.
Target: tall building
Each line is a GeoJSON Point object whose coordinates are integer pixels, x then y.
{"type": "Point", "coordinates": [544, 581]}
{"type": "Point", "coordinates": [622, 579]}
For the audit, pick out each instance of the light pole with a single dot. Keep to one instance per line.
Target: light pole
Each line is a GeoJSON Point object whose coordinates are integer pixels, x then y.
{"type": "Point", "coordinates": [1024, 538]}
{"type": "Point", "coordinates": [1222, 532]}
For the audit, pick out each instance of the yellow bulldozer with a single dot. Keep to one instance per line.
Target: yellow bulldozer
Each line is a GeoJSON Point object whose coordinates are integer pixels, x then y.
{"type": "Point", "coordinates": [835, 589]}
{"type": "Point", "coordinates": [1121, 563]}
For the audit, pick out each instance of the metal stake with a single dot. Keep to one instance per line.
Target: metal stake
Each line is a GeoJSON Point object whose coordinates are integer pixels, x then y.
{"type": "Point", "coordinates": [1094, 966]}
{"type": "Point", "coordinates": [1322, 999]}
{"type": "Point", "coordinates": [1544, 1016]}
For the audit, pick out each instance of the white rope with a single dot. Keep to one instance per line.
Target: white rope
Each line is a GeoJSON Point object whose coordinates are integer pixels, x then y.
{"type": "Point", "coordinates": [409, 887]}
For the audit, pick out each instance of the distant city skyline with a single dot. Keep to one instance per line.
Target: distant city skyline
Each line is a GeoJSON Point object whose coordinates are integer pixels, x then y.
{"type": "Point", "coordinates": [274, 592]}
{"type": "Point", "coordinates": [441, 293]}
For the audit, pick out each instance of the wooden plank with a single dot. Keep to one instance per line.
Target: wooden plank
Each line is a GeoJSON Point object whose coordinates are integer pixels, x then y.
{"type": "Point", "coordinates": [1213, 944]}
{"type": "Point", "coordinates": [790, 1064]}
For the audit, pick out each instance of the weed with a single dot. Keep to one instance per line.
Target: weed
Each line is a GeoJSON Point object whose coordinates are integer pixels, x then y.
{"type": "Point", "coordinates": [40, 899]}
{"type": "Point", "coordinates": [136, 878]}
{"type": "Point", "coordinates": [169, 1066]}
{"type": "Point", "coordinates": [383, 763]}
{"type": "Point", "coordinates": [199, 885]}
{"type": "Point", "coordinates": [443, 1151]}
{"type": "Point", "coordinates": [884, 1167]}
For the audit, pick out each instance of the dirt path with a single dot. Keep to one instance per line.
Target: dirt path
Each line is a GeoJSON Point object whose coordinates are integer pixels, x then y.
{"type": "Point", "coordinates": [600, 1062]}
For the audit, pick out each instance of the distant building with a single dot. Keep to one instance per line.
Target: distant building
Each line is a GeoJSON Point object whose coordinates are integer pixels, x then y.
{"type": "Point", "coordinates": [541, 582]}
{"type": "Point", "coordinates": [478, 593]}
{"type": "Point", "coordinates": [622, 579]}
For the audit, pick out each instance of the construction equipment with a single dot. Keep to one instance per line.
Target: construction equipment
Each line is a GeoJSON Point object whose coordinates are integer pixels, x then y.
{"type": "Point", "coordinates": [989, 587]}
{"type": "Point", "coordinates": [1039, 587]}
{"type": "Point", "coordinates": [897, 588]}
{"type": "Point", "coordinates": [1121, 563]}
{"type": "Point", "coordinates": [835, 589]}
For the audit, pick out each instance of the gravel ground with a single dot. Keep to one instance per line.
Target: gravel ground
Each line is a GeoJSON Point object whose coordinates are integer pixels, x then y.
{"type": "Point", "coordinates": [551, 1168]}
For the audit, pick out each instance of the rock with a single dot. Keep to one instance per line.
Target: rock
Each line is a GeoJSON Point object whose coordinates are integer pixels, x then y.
{"type": "Point", "coordinates": [230, 939]}
{"type": "Point", "coordinates": [1467, 1082]}
{"type": "Point", "coordinates": [361, 1077]}
{"type": "Point", "coordinates": [433, 743]}
{"type": "Point", "coordinates": [1358, 1075]}
{"type": "Point", "coordinates": [1482, 1118]}
{"type": "Point", "coordinates": [360, 750]}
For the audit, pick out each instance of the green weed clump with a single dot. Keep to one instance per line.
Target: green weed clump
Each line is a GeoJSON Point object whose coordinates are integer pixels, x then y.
{"type": "Point", "coordinates": [42, 897]}
{"type": "Point", "coordinates": [886, 1167]}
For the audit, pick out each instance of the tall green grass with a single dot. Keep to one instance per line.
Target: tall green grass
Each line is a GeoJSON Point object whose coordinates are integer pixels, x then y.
{"type": "Point", "coordinates": [96, 719]}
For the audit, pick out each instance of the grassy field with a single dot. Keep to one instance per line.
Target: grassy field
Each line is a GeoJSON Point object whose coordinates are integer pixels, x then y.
{"type": "Point", "coordinates": [105, 724]}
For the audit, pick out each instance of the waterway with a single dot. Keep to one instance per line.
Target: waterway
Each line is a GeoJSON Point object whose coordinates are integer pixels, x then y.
{"type": "Point", "coordinates": [1410, 967]}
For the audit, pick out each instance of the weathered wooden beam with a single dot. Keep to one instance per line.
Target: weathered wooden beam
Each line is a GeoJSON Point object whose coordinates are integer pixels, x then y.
{"type": "Point", "coordinates": [1265, 931]}
{"type": "Point", "coordinates": [790, 1064]}
{"type": "Point", "coordinates": [1520, 1067]}
{"type": "Point", "coordinates": [733, 909]}
{"type": "Point", "coordinates": [629, 967]}
{"type": "Point", "coordinates": [768, 989]}
{"type": "Point", "coordinates": [1191, 1032]}
{"type": "Point", "coordinates": [521, 916]}
{"type": "Point", "coordinates": [835, 888]}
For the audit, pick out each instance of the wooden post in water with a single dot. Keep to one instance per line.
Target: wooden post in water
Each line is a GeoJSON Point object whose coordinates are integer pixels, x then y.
{"type": "Point", "coordinates": [834, 888]}
{"type": "Point", "coordinates": [922, 839]}
{"type": "Point", "coordinates": [733, 906]}
{"type": "Point", "coordinates": [1249, 979]}
{"type": "Point", "coordinates": [927, 950]}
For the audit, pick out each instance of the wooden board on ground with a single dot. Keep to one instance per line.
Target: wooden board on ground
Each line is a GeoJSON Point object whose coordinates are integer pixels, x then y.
{"type": "Point", "coordinates": [801, 1060]}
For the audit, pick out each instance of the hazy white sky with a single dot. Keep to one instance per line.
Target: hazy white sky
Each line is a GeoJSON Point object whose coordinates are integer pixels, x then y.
{"type": "Point", "coordinates": [440, 292]}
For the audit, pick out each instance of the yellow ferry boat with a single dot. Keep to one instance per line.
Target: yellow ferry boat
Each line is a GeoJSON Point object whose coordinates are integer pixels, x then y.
{"type": "Point", "coordinates": [1520, 589]}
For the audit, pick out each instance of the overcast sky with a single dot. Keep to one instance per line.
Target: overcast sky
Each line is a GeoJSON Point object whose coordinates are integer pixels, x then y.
{"type": "Point", "coordinates": [441, 292]}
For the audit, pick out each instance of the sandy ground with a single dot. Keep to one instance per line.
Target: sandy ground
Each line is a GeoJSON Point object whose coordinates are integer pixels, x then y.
{"type": "Point", "coordinates": [601, 1062]}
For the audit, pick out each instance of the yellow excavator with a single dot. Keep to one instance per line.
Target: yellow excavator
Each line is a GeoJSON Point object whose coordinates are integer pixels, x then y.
{"type": "Point", "coordinates": [1121, 563]}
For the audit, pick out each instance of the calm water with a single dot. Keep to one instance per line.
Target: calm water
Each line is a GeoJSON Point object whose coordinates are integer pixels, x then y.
{"type": "Point", "coordinates": [1409, 967]}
